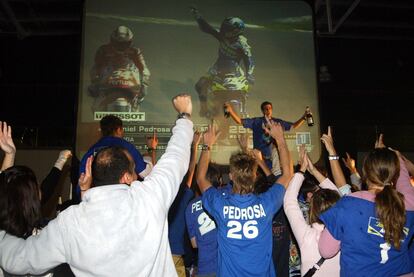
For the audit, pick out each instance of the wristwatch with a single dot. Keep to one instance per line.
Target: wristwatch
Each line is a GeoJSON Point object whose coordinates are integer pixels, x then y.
{"type": "Point", "coordinates": [333, 157]}
{"type": "Point", "coordinates": [184, 115]}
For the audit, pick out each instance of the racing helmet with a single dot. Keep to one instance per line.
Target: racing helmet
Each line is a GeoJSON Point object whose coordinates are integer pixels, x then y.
{"type": "Point", "coordinates": [122, 37]}
{"type": "Point", "coordinates": [232, 27]}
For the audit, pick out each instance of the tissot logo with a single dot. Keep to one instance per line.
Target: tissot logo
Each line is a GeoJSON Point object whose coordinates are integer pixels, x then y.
{"type": "Point", "coordinates": [125, 116]}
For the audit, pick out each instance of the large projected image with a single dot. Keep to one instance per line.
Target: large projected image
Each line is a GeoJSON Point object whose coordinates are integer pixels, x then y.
{"type": "Point", "coordinates": [230, 56]}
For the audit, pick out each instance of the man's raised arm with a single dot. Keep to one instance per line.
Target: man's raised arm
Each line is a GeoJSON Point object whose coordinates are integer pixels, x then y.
{"type": "Point", "coordinates": [167, 174]}
{"type": "Point", "coordinates": [229, 108]}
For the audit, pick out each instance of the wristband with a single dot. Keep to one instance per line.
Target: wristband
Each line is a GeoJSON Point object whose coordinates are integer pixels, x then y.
{"type": "Point", "coordinates": [184, 115]}
{"type": "Point", "coordinates": [205, 147]}
{"type": "Point", "coordinates": [333, 157]}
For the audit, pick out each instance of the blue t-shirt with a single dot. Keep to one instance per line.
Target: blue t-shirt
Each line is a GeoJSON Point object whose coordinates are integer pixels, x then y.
{"type": "Point", "coordinates": [176, 219]}
{"type": "Point", "coordinates": [201, 226]}
{"type": "Point", "coordinates": [364, 252]}
{"type": "Point", "coordinates": [411, 250]}
{"type": "Point", "coordinates": [261, 141]}
{"type": "Point", "coordinates": [108, 141]}
{"type": "Point", "coordinates": [244, 225]}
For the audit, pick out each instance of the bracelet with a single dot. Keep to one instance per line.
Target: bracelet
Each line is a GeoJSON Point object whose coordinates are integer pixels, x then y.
{"type": "Point", "coordinates": [184, 115]}
{"type": "Point", "coordinates": [333, 157]}
{"type": "Point", "coordinates": [205, 147]}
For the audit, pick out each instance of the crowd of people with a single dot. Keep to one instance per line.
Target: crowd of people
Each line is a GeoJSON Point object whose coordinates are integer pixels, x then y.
{"type": "Point", "coordinates": [177, 216]}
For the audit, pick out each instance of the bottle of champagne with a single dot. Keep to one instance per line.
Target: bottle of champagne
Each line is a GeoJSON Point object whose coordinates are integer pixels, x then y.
{"type": "Point", "coordinates": [309, 117]}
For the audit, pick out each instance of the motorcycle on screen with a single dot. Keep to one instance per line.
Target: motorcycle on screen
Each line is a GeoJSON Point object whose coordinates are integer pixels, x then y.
{"type": "Point", "coordinates": [118, 90]}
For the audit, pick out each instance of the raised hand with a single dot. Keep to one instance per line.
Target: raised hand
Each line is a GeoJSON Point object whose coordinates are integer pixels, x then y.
{"type": "Point", "coordinates": [257, 154]}
{"type": "Point", "coordinates": [349, 163]}
{"type": "Point", "coordinates": [243, 141]}
{"type": "Point", "coordinates": [196, 138]}
{"type": "Point", "coordinates": [228, 107]}
{"type": "Point", "coordinates": [210, 136]}
{"type": "Point", "coordinates": [274, 129]}
{"type": "Point", "coordinates": [64, 155]}
{"type": "Point", "coordinates": [398, 153]}
{"type": "Point", "coordinates": [379, 142]}
{"type": "Point", "coordinates": [152, 141]}
{"type": "Point", "coordinates": [303, 161]}
{"type": "Point", "coordinates": [85, 179]}
{"type": "Point", "coordinates": [182, 103]}
{"type": "Point", "coordinates": [194, 12]}
{"type": "Point", "coordinates": [327, 140]}
{"type": "Point", "coordinates": [310, 167]}
{"type": "Point", "coordinates": [6, 140]}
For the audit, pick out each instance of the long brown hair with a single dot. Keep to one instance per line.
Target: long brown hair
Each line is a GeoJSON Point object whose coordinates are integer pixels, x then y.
{"type": "Point", "coordinates": [19, 201]}
{"type": "Point", "coordinates": [321, 201]}
{"type": "Point", "coordinates": [382, 168]}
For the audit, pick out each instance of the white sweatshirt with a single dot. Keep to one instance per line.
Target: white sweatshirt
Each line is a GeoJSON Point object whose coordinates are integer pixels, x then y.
{"type": "Point", "coordinates": [117, 230]}
{"type": "Point", "coordinates": [307, 235]}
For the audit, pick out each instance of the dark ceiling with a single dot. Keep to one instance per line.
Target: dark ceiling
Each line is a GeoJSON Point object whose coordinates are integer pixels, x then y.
{"type": "Point", "coordinates": [364, 49]}
{"type": "Point", "coordinates": [350, 19]}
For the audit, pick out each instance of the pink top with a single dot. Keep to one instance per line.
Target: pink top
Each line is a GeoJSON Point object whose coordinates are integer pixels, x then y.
{"type": "Point", "coordinates": [307, 235]}
{"type": "Point", "coordinates": [329, 246]}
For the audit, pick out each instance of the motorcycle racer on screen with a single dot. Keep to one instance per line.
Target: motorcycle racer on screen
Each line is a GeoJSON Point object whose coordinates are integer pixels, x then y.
{"type": "Point", "coordinates": [119, 73]}
{"type": "Point", "coordinates": [227, 74]}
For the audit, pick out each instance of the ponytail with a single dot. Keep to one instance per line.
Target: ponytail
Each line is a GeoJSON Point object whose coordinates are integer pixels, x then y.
{"type": "Point", "coordinates": [382, 168]}
{"type": "Point", "coordinates": [391, 212]}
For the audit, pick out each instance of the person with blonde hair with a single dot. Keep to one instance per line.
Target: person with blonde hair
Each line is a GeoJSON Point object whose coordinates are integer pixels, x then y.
{"type": "Point", "coordinates": [243, 218]}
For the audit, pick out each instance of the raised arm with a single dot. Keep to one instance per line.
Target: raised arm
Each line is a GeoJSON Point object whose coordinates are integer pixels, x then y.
{"type": "Point", "coordinates": [314, 171]}
{"type": "Point", "coordinates": [276, 131]}
{"type": "Point", "coordinates": [193, 159]}
{"type": "Point", "coordinates": [291, 205]}
{"type": "Point", "coordinates": [229, 108]}
{"type": "Point", "coordinates": [259, 159]}
{"type": "Point", "coordinates": [403, 183]}
{"type": "Point", "coordinates": [337, 173]}
{"type": "Point", "coordinates": [152, 143]}
{"type": "Point", "coordinates": [203, 24]}
{"type": "Point", "coordinates": [7, 145]}
{"type": "Point", "coordinates": [49, 183]}
{"type": "Point", "coordinates": [167, 175]}
{"type": "Point", "coordinates": [209, 138]}
{"type": "Point", "coordinates": [324, 182]}
{"type": "Point", "coordinates": [408, 164]}
{"type": "Point", "coordinates": [243, 141]}
{"type": "Point", "coordinates": [300, 121]}
{"type": "Point", "coordinates": [85, 178]}
{"type": "Point", "coordinates": [350, 164]}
